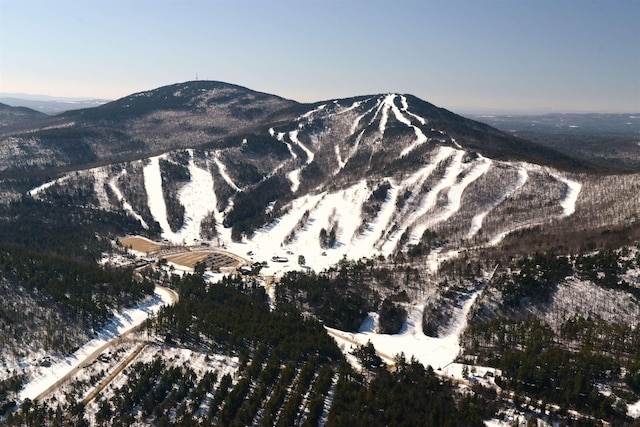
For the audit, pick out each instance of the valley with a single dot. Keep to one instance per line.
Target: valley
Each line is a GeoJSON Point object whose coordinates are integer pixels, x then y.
{"type": "Point", "coordinates": [298, 249]}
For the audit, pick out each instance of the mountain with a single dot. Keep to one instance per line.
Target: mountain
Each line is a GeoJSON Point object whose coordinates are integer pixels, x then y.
{"type": "Point", "coordinates": [50, 105]}
{"type": "Point", "coordinates": [309, 245]}
{"type": "Point", "coordinates": [194, 114]}
{"type": "Point", "coordinates": [15, 117]}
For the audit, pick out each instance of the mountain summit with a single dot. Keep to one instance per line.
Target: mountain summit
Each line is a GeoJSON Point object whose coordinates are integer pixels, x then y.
{"type": "Point", "coordinates": [365, 129]}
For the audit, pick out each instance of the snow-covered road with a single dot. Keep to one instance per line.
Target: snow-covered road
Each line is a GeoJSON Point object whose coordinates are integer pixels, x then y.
{"type": "Point", "coordinates": [121, 324]}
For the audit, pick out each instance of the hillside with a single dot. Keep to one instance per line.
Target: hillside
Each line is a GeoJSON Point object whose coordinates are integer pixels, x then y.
{"type": "Point", "coordinates": [181, 115]}
{"type": "Point", "coordinates": [12, 118]}
{"type": "Point", "coordinates": [193, 114]}
{"type": "Point", "coordinates": [310, 246]}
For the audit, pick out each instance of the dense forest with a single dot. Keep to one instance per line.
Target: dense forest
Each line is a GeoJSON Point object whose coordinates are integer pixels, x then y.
{"type": "Point", "coordinates": [54, 293]}
{"type": "Point", "coordinates": [343, 296]}
{"type": "Point", "coordinates": [290, 372]}
{"type": "Point", "coordinates": [563, 357]}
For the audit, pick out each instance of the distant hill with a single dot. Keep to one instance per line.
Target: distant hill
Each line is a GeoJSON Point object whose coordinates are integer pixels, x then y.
{"type": "Point", "coordinates": [49, 104]}
{"type": "Point", "coordinates": [612, 140]}
{"type": "Point", "coordinates": [17, 117]}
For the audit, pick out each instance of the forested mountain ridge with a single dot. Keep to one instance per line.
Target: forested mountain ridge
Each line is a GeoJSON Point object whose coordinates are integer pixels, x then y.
{"type": "Point", "coordinates": [192, 114]}
{"type": "Point", "coordinates": [181, 115]}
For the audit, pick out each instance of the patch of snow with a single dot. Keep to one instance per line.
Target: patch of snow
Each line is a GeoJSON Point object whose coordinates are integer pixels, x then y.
{"type": "Point", "coordinates": [405, 108]}
{"type": "Point", "coordinates": [356, 122]}
{"type": "Point", "coordinates": [294, 177]}
{"type": "Point", "coordinates": [293, 135]}
{"type": "Point", "coordinates": [633, 410]}
{"type": "Point", "coordinates": [370, 324]}
{"type": "Point", "coordinates": [341, 163]}
{"type": "Point", "coordinates": [197, 197]}
{"type": "Point", "coordinates": [410, 213]}
{"type": "Point", "coordinates": [310, 113]}
{"type": "Point", "coordinates": [456, 143]}
{"type": "Point", "coordinates": [155, 197]}
{"type": "Point", "coordinates": [99, 178]}
{"type": "Point", "coordinates": [384, 108]}
{"type": "Point", "coordinates": [454, 195]}
{"type": "Point", "coordinates": [438, 352]}
{"type": "Point", "coordinates": [570, 199]}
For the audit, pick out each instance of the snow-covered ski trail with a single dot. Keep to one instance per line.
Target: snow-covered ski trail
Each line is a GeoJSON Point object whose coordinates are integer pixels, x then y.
{"type": "Point", "coordinates": [155, 197]}
{"type": "Point", "coordinates": [293, 135]}
{"type": "Point", "coordinates": [409, 213]}
{"type": "Point", "coordinates": [573, 191]}
{"type": "Point", "coordinates": [405, 108]}
{"type": "Point", "coordinates": [428, 202]}
{"type": "Point", "coordinates": [197, 197]}
{"type": "Point", "coordinates": [222, 169]}
{"type": "Point", "coordinates": [454, 196]}
{"type": "Point", "coordinates": [437, 352]}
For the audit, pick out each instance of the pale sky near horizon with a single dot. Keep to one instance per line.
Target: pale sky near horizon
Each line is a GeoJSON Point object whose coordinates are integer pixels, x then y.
{"type": "Point", "coordinates": [483, 55]}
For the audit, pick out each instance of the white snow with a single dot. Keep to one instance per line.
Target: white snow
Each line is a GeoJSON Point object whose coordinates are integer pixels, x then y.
{"type": "Point", "coordinates": [405, 108]}
{"type": "Point", "coordinates": [568, 204]}
{"type": "Point", "coordinates": [293, 135]}
{"type": "Point", "coordinates": [99, 179]}
{"type": "Point", "coordinates": [356, 122]}
{"type": "Point", "coordinates": [312, 112]}
{"type": "Point", "coordinates": [454, 195]}
{"type": "Point", "coordinates": [439, 352]}
{"type": "Point", "coordinates": [341, 162]}
{"type": "Point", "coordinates": [197, 197]}
{"type": "Point", "coordinates": [384, 108]}
{"type": "Point", "coordinates": [155, 198]}
{"type": "Point", "coordinates": [294, 177]}
{"type": "Point", "coordinates": [573, 191]}
{"type": "Point", "coordinates": [121, 323]}
{"type": "Point", "coordinates": [633, 410]}
{"type": "Point", "coordinates": [410, 212]}
{"type": "Point", "coordinates": [41, 188]}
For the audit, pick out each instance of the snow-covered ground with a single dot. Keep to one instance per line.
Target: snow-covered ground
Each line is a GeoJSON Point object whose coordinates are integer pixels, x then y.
{"type": "Point", "coordinates": [437, 352]}
{"type": "Point", "coordinates": [476, 222]}
{"type": "Point", "coordinates": [197, 197]}
{"type": "Point", "coordinates": [46, 377]}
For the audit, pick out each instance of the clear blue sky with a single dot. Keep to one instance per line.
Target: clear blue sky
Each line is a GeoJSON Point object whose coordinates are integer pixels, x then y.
{"type": "Point", "coordinates": [520, 55]}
